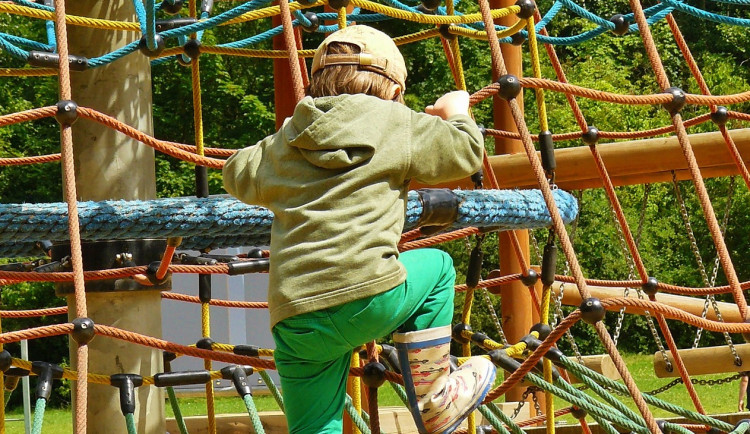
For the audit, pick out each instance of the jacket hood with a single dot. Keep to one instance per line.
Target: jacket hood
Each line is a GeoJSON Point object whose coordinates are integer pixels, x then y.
{"type": "Point", "coordinates": [315, 131]}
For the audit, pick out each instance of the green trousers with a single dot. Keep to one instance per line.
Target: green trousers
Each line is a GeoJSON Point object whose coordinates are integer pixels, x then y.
{"type": "Point", "coordinates": [314, 350]}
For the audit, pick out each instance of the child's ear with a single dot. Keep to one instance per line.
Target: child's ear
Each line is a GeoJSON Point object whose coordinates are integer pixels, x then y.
{"type": "Point", "coordinates": [396, 91]}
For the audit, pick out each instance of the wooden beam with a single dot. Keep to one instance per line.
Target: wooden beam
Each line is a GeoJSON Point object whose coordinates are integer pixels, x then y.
{"type": "Point", "coordinates": [693, 305]}
{"type": "Point", "coordinates": [392, 420]}
{"type": "Point", "coordinates": [601, 363]}
{"type": "Point", "coordinates": [628, 163]}
{"type": "Point", "coordinates": [707, 360]}
{"type": "Point", "coordinates": [631, 162]}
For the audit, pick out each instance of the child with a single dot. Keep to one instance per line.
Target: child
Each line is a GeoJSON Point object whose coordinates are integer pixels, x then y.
{"type": "Point", "coordinates": [336, 176]}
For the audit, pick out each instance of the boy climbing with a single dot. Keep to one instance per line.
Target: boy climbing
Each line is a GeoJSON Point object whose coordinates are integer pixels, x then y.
{"type": "Point", "coordinates": [336, 176]}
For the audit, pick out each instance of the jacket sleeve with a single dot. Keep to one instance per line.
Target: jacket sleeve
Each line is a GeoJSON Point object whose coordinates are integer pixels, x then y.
{"type": "Point", "coordinates": [240, 174]}
{"type": "Point", "coordinates": [444, 150]}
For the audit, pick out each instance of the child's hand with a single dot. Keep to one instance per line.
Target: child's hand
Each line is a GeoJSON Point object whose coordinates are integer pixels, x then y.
{"type": "Point", "coordinates": [450, 104]}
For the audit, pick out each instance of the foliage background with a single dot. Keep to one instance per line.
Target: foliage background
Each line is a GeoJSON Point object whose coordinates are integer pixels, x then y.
{"type": "Point", "coordinates": [238, 105]}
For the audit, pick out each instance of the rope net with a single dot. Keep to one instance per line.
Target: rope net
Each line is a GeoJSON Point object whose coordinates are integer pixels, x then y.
{"type": "Point", "coordinates": [164, 37]}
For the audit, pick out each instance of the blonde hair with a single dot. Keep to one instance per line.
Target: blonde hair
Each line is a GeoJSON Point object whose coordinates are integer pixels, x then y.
{"type": "Point", "coordinates": [351, 79]}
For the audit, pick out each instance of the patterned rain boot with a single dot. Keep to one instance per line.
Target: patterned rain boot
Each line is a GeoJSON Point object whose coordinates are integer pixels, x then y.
{"type": "Point", "coordinates": [440, 400]}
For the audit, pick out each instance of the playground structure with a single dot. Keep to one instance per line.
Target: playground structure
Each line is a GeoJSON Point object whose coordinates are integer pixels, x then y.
{"type": "Point", "coordinates": [205, 223]}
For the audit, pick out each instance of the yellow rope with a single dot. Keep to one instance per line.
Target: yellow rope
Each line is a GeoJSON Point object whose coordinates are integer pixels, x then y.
{"type": "Point", "coordinates": [229, 348]}
{"type": "Point", "coordinates": [70, 19]}
{"type": "Point", "coordinates": [342, 18]}
{"type": "Point", "coordinates": [418, 36]}
{"type": "Point", "coordinates": [70, 374]}
{"type": "Point", "coordinates": [431, 19]}
{"type": "Point", "coordinates": [356, 391]}
{"type": "Point", "coordinates": [135, 27]}
{"type": "Point", "coordinates": [197, 106]}
{"type": "Point", "coordinates": [270, 11]}
{"type": "Point", "coordinates": [482, 35]}
{"type": "Point", "coordinates": [27, 72]}
{"type": "Point", "coordinates": [538, 74]}
{"type": "Point", "coordinates": [544, 126]}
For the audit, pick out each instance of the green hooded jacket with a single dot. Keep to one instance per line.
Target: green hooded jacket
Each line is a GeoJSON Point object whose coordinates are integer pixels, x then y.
{"type": "Point", "coordinates": [336, 176]}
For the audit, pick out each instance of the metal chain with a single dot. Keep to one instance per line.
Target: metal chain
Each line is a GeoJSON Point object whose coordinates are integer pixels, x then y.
{"type": "Point", "coordinates": [695, 381]}
{"type": "Point", "coordinates": [488, 300]}
{"type": "Point", "coordinates": [493, 314]}
{"type": "Point", "coordinates": [521, 403]}
{"type": "Point", "coordinates": [535, 400]}
{"type": "Point", "coordinates": [701, 265]}
{"type": "Point", "coordinates": [631, 264]}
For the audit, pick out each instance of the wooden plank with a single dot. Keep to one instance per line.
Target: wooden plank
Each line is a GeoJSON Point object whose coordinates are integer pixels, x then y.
{"type": "Point", "coordinates": [730, 418]}
{"type": "Point", "coordinates": [601, 363]}
{"type": "Point", "coordinates": [707, 360]}
{"type": "Point", "coordinates": [394, 420]}
{"type": "Point", "coordinates": [693, 305]}
{"type": "Point", "coordinates": [628, 162]}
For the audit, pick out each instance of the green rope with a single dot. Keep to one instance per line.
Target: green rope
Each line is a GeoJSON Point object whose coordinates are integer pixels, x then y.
{"type": "Point", "coordinates": [580, 371]}
{"type": "Point", "coordinates": [611, 399]}
{"type": "Point", "coordinates": [496, 423]}
{"type": "Point", "coordinates": [619, 407]}
{"type": "Point", "coordinates": [581, 400]}
{"type": "Point", "coordinates": [356, 418]}
{"type": "Point", "coordinates": [41, 404]}
{"type": "Point", "coordinates": [253, 412]}
{"type": "Point", "coordinates": [400, 392]}
{"type": "Point", "coordinates": [741, 428]}
{"type": "Point", "coordinates": [272, 387]}
{"type": "Point", "coordinates": [675, 428]}
{"type": "Point", "coordinates": [130, 422]}
{"type": "Point", "coordinates": [604, 424]}
{"type": "Point", "coordinates": [176, 410]}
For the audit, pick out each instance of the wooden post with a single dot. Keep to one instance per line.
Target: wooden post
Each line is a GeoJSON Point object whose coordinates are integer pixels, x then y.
{"type": "Point", "coordinates": [517, 309]}
{"type": "Point", "coordinates": [110, 165]}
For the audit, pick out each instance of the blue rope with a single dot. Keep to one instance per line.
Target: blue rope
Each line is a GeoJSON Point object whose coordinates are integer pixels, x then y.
{"type": "Point", "coordinates": [111, 57]}
{"type": "Point", "coordinates": [222, 221]}
{"type": "Point", "coordinates": [140, 12]}
{"type": "Point", "coordinates": [150, 24]}
{"type": "Point", "coordinates": [742, 22]}
{"type": "Point", "coordinates": [13, 50]}
{"type": "Point", "coordinates": [23, 42]}
{"type": "Point", "coordinates": [30, 4]}
{"type": "Point", "coordinates": [218, 19]}
{"type": "Point", "coordinates": [50, 25]}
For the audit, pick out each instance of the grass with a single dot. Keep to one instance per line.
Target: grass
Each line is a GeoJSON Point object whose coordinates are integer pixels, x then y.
{"type": "Point", "coordinates": [721, 398]}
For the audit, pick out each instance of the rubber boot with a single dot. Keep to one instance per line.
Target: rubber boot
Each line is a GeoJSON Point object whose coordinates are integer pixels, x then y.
{"type": "Point", "coordinates": [440, 400]}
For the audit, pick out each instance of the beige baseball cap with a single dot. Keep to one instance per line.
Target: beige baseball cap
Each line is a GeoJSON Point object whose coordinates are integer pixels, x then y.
{"type": "Point", "coordinates": [378, 53]}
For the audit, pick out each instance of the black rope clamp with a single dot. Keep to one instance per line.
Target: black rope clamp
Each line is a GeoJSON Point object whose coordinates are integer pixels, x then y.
{"type": "Point", "coordinates": [151, 271]}
{"type": "Point", "coordinates": [127, 384]}
{"type": "Point", "coordinates": [182, 378]}
{"type": "Point", "coordinates": [238, 375]}
{"type": "Point", "coordinates": [44, 59]}
{"type": "Point", "coordinates": [501, 359]}
{"type": "Point", "coordinates": [439, 209]}
{"type": "Point", "coordinates": [46, 372]}
{"type": "Point", "coordinates": [174, 23]}
{"type": "Point", "coordinates": [244, 267]}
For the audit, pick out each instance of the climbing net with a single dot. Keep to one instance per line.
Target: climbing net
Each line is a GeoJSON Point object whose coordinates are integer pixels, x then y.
{"type": "Point", "coordinates": [179, 39]}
